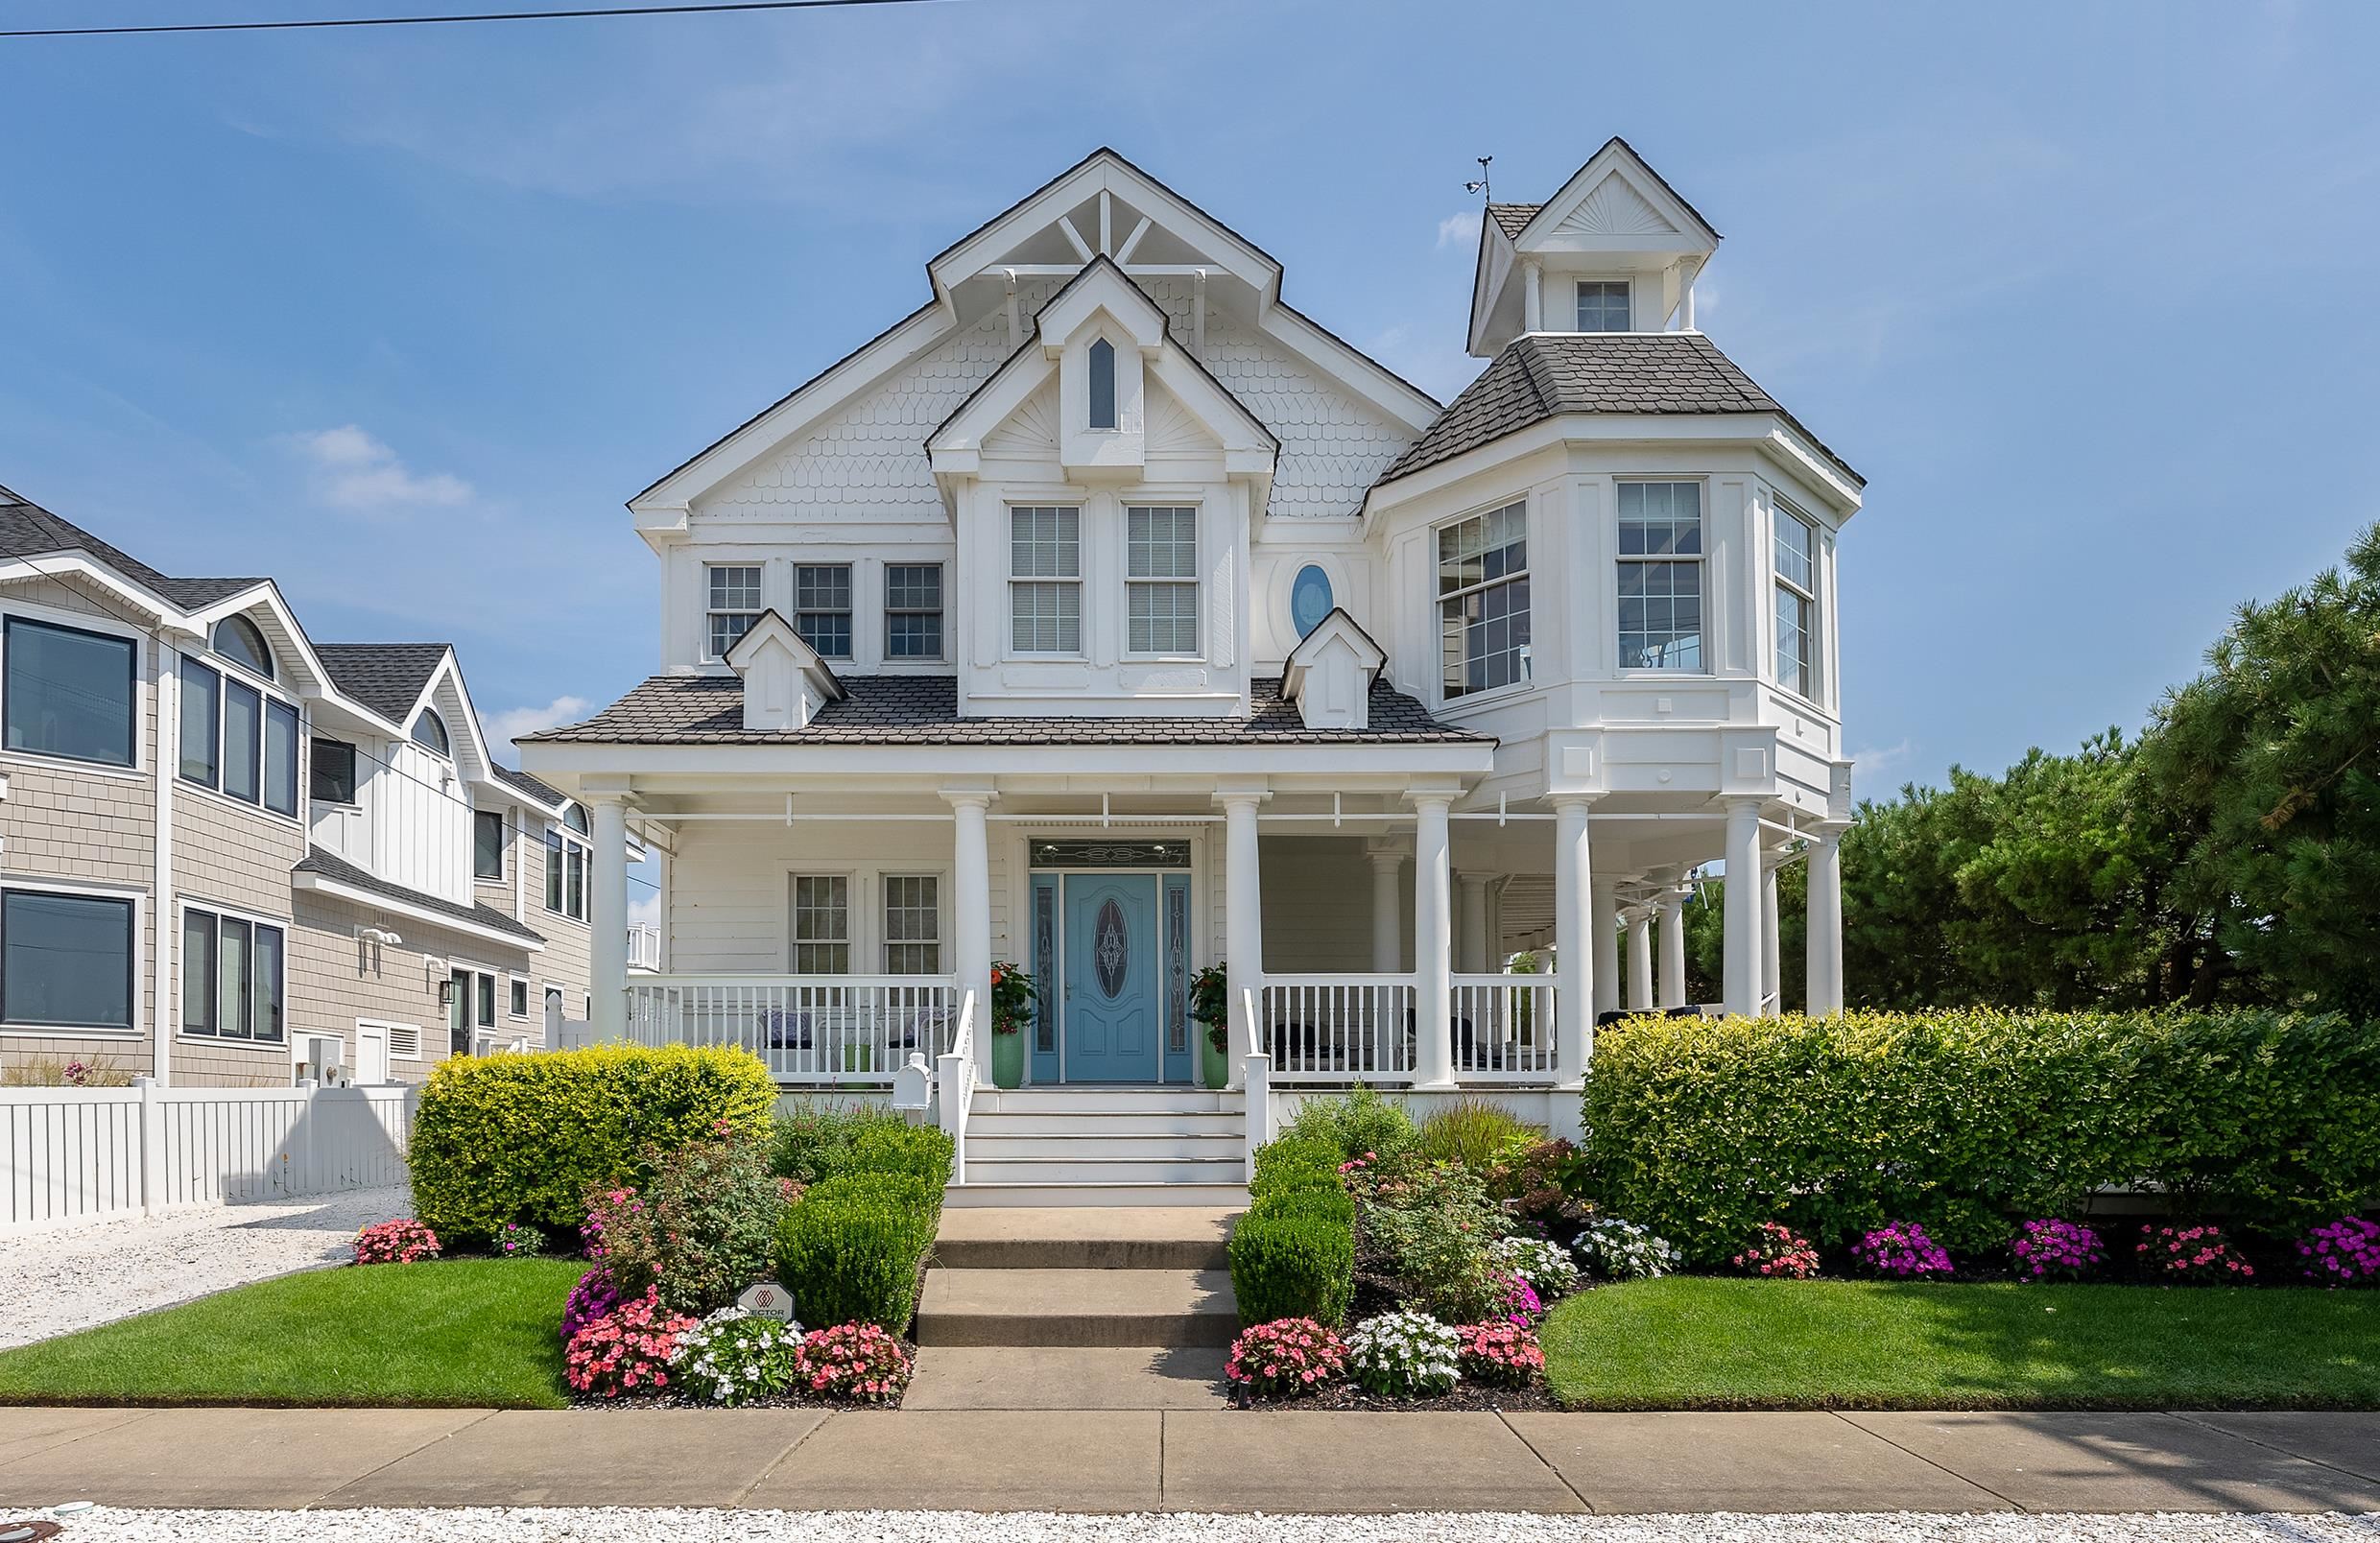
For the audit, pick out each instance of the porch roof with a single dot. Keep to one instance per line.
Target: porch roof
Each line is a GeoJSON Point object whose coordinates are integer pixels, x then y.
{"type": "Point", "coordinates": [708, 709]}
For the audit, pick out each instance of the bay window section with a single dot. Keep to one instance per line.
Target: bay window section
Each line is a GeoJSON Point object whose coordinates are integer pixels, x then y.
{"type": "Point", "coordinates": [1161, 581]}
{"type": "Point", "coordinates": [821, 929]}
{"type": "Point", "coordinates": [823, 607]}
{"type": "Point", "coordinates": [734, 604]}
{"type": "Point", "coordinates": [1483, 590]}
{"type": "Point", "coordinates": [233, 977]}
{"type": "Point", "coordinates": [1797, 604]}
{"type": "Point", "coordinates": [69, 692]}
{"type": "Point", "coordinates": [1661, 576]}
{"type": "Point", "coordinates": [1046, 589]}
{"type": "Point", "coordinates": [65, 961]}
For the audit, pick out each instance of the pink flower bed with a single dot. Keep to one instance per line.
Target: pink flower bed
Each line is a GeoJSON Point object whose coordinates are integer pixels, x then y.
{"type": "Point", "coordinates": [857, 1361]}
{"type": "Point", "coordinates": [2050, 1248]}
{"type": "Point", "coordinates": [1901, 1250]}
{"type": "Point", "coordinates": [1285, 1358]}
{"type": "Point", "coordinates": [1501, 1355]}
{"type": "Point", "coordinates": [626, 1351]}
{"type": "Point", "coordinates": [2197, 1253]}
{"type": "Point", "coordinates": [1778, 1252]}
{"type": "Point", "coordinates": [401, 1242]}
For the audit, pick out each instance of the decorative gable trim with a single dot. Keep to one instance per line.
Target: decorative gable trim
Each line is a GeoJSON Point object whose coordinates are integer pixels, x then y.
{"type": "Point", "coordinates": [1642, 207]}
{"type": "Point", "coordinates": [1329, 674]}
{"type": "Point", "coordinates": [280, 627]}
{"type": "Point", "coordinates": [785, 682]}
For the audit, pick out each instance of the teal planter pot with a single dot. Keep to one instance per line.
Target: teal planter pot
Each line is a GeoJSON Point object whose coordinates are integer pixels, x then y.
{"type": "Point", "coordinates": [1008, 1060]}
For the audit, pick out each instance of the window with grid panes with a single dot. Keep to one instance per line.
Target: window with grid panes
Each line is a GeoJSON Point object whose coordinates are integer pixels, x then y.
{"type": "Point", "coordinates": [822, 924]}
{"type": "Point", "coordinates": [913, 610]}
{"type": "Point", "coordinates": [734, 604]}
{"type": "Point", "coordinates": [1160, 580]}
{"type": "Point", "coordinates": [823, 607]}
{"type": "Point", "coordinates": [913, 924]}
{"type": "Point", "coordinates": [1661, 576]}
{"type": "Point", "coordinates": [1045, 587]}
{"type": "Point", "coordinates": [1797, 604]}
{"type": "Point", "coordinates": [1603, 305]}
{"type": "Point", "coordinates": [1482, 601]}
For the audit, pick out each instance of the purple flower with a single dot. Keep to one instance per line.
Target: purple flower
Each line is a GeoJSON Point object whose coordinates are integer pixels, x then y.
{"type": "Point", "coordinates": [1901, 1252]}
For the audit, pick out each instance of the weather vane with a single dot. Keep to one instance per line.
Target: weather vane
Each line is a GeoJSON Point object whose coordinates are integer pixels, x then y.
{"type": "Point", "coordinates": [1480, 187]}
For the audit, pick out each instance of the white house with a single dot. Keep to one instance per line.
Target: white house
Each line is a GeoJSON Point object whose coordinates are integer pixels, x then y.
{"type": "Point", "coordinates": [1109, 617]}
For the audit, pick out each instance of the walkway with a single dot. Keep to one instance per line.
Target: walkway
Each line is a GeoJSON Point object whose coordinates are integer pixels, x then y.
{"type": "Point", "coordinates": [1110, 1460]}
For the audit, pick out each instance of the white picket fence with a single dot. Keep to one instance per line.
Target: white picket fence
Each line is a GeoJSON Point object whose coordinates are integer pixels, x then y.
{"type": "Point", "coordinates": [78, 1156]}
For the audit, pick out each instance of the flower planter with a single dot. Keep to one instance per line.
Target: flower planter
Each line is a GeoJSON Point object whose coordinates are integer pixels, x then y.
{"type": "Point", "coordinates": [1214, 1066]}
{"type": "Point", "coordinates": [1008, 1060]}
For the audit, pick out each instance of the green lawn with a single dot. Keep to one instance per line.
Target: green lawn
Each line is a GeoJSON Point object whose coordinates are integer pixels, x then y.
{"type": "Point", "coordinates": [1697, 1343]}
{"type": "Point", "coordinates": [473, 1332]}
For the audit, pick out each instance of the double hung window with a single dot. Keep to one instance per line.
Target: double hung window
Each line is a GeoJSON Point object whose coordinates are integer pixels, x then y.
{"type": "Point", "coordinates": [1160, 580]}
{"type": "Point", "coordinates": [566, 849]}
{"type": "Point", "coordinates": [1482, 601]}
{"type": "Point", "coordinates": [1797, 604]}
{"type": "Point", "coordinates": [734, 604]}
{"type": "Point", "coordinates": [822, 924]}
{"type": "Point", "coordinates": [1046, 589]}
{"type": "Point", "coordinates": [823, 607]}
{"type": "Point", "coordinates": [913, 924]}
{"type": "Point", "coordinates": [1661, 576]}
{"type": "Point", "coordinates": [913, 610]}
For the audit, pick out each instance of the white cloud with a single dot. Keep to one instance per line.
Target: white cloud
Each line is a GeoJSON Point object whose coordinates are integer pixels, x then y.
{"type": "Point", "coordinates": [1874, 767]}
{"type": "Point", "coordinates": [354, 469]}
{"type": "Point", "coordinates": [1459, 229]}
{"type": "Point", "coordinates": [507, 726]}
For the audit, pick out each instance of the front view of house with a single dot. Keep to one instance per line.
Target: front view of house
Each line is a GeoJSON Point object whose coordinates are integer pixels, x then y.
{"type": "Point", "coordinates": [1109, 619]}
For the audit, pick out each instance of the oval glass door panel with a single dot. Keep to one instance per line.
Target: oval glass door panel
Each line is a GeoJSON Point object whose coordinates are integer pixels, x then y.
{"type": "Point", "coordinates": [1112, 950]}
{"type": "Point", "coordinates": [1309, 598]}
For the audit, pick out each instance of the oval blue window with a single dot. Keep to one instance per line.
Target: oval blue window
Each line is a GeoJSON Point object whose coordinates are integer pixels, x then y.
{"type": "Point", "coordinates": [1309, 598]}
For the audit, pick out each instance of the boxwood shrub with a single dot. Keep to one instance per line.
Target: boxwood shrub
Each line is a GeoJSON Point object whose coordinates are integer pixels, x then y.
{"type": "Point", "coordinates": [851, 1248]}
{"type": "Point", "coordinates": [523, 1138]}
{"type": "Point", "coordinates": [1293, 1253]}
{"type": "Point", "coordinates": [1294, 1163]}
{"type": "Point", "coordinates": [1968, 1121]}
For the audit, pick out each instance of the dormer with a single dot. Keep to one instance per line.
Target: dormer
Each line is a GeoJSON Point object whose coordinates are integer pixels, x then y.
{"type": "Point", "coordinates": [785, 682]}
{"type": "Point", "coordinates": [1099, 331]}
{"type": "Point", "coordinates": [1330, 672]}
{"type": "Point", "coordinates": [1616, 250]}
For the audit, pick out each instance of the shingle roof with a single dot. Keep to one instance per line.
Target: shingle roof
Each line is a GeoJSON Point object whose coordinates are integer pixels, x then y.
{"type": "Point", "coordinates": [523, 783]}
{"type": "Point", "coordinates": [27, 530]}
{"type": "Point", "coordinates": [387, 677]}
{"type": "Point", "coordinates": [331, 866]}
{"type": "Point", "coordinates": [708, 709]}
{"type": "Point", "coordinates": [1513, 218]}
{"type": "Point", "coordinates": [1547, 375]}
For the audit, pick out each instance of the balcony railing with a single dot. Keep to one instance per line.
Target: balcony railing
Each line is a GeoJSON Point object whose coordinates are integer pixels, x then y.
{"type": "Point", "coordinates": [816, 1029]}
{"type": "Point", "coordinates": [1503, 1028]}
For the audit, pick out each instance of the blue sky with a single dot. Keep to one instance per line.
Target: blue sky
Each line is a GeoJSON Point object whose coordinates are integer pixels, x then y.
{"type": "Point", "coordinates": [402, 316]}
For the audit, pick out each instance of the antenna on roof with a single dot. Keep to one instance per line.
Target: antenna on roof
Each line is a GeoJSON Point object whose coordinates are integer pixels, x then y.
{"type": "Point", "coordinates": [1480, 187]}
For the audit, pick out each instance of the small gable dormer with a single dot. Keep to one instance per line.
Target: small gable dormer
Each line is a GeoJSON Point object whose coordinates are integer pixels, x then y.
{"type": "Point", "coordinates": [785, 682]}
{"type": "Point", "coordinates": [1099, 331]}
{"type": "Point", "coordinates": [1615, 250]}
{"type": "Point", "coordinates": [1330, 672]}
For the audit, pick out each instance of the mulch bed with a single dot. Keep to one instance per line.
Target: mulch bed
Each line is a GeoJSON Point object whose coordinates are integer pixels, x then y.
{"type": "Point", "coordinates": [1466, 1397]}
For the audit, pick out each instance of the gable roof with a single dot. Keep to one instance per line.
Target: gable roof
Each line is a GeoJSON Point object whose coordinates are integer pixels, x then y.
{"type": "Point", "coordinates": [1544, 376]}
{"type": "Point", "coordinates": [27, 530]}
{"type": "Point", "coordinates": [1615, 142]}
{"type": "Point", "coordinates": [387, 677]}
{"type": "Point", "coordinates": [338, 870]}
{"type": "Point", "coordinates": [708, 709]}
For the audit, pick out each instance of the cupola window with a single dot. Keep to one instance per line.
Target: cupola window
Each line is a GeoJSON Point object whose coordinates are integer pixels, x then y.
{"type": "Point", "coordinates": [1103, 384]}
{"type": "Point", "coordinates": [1603, 305]}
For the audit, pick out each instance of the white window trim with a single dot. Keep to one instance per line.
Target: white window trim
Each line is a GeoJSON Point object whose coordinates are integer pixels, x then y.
{"type": "Point", "coordinates": [856, 900]}
{"type": "Point", "coordinates": [356, 803]}
{"type": "Point", "coordinates": [885, 942]}
{"type": "Point", "coordinates": [1813, 686]}
{"type": "Point", "coordinates": [796, 610]}
{"type": "Point", "coordinates": [757, 565]}
{"type": "Point", "coordinates": [144, 689]}
{"type": "Point", "coordinates": [254, 918]}
{"type": "Point", "coordinates": [227, 671]}
{"type": "Point", "coordinates": [1082, 506]}
{"type": "Point", "coordinates": [1626, 280]}
{"type": "Point", "coordinates": [1197, 586]}
{"type": "Point", "coordinates": [506, 856]}
{"type": "Point", "coordinates": [522, 981]}
{"type": "Point", "coordinates": [556, 827]}
{"type": "Point", "coordinates": [864, 920]}
{"type": "Point", "coordinates": [83, 889]}
{"type": "Point", "coordinates": [888, 610]}
{"type": "Point", "coordinates": [1702, 560]}
{"type": "Point", "coordinates": [1528, 680]}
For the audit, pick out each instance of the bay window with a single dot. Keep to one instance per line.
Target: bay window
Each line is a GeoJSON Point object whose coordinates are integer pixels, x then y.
{"type": "Point", "coordinates": [1045, 587]}
{"type": "Point", "coordinates": [1661, 576]}
{"type": "Point", "coordinates": [1482, 601]}
{"type": "Point", "coordinates": [1797, 604]}
{"type": "Point", "coordinates": [69, 692]}
{"type": "Point", "coordinates": [231, 977]}
{"type": "Point", "coordinates": [1160, 580]}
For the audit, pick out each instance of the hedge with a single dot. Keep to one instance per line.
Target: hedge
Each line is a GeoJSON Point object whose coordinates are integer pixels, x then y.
{"type": "Point", "coordinates": [850, 1248]}
{"type": "Point", "coordinates": [523, 1138]}
{"type": "Point", "coordinates": [1293, 1253]}
{"type": "Point", "coordinates": [1969, 1122]}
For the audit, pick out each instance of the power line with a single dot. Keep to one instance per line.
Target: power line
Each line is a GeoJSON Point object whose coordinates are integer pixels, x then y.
{"type": "Point", "coordinates": [580, 14]}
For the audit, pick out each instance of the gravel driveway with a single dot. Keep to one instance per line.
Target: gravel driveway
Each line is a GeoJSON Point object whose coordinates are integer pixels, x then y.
{"type": "Point", "coordinates": [55, 1282]}
{"type": "Point", "coordinates": [603, 1524]}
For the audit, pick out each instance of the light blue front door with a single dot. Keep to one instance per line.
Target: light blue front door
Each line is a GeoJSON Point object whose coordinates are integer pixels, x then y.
{"type": "Point", "coordinates": [1112, 1003]}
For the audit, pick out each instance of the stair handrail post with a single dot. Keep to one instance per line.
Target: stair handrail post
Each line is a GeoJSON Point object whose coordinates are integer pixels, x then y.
{"type": "Point", "coordinates": [1257, 1082]}
{"type": "Point", "coordinates": [954, 1086]}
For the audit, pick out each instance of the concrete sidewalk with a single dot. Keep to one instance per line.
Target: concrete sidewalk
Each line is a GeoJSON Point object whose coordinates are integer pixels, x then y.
{"type": "Point", "coordinates": [1109, 1461]}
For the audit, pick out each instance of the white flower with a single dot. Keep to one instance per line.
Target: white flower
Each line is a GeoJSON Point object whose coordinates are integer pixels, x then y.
{"type": "Point", "coordinates": [1545, 1265]}
{"type": "Point", "coordinates": [1404, 1354]}
{"type": "Point", "coordinates": [1622, 1250]}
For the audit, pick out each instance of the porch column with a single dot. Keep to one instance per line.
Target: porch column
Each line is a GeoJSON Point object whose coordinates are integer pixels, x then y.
{"type": "Point", "coordinates": [1471, 924]}
{"type": "Point", "coordinates": [1434, 1044]}
{"type": "Point", "coordinates": [1243, 924]}
{"type": "Point", "coordinates": [1824, 994]}
{"type": "Point", "coordinates": [970, 905]}
{"type": "Point", "coordinates": [1743, 907]}
{"type": "Point", "coordinates": [1641, 960]}
{"type": "Point", "coordinates": [1574, 950]}
{"type": "Point", "coordinates": [1772, 963]}
{"type": "Point", "coordinates": [1673, 948]}
{"type": "Point", "coordinates": [1387, 923]}
{"type": "Point", "coordinates": [1605, 921]}
{"type": "Point", "coordinates": [607, 920]}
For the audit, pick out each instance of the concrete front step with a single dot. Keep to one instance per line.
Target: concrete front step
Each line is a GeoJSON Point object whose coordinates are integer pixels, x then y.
{"type": "Point", "coordinates": [1077, 1308]}
{"type": "Point", "coordinates": [1105, 1100]}
{"type": "Point", "coordinates": [1059, 1377]}
{"type": "Point", "coordinates": [1095, 1142]}
{"type": "Point", "coordinates": [1084, 1237]}
{"type": "Point", "coordinates": [1098, 1170]}
{"type": "Point", "coordinates": [975, 1192]}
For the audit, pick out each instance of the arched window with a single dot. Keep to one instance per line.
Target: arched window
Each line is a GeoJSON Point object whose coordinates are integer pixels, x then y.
{"type": "Point", "coordinates": [576, 819]}
{"type": "Point", "coordinates": [430, 733]}
{"type": "Point", "coordinates": [237, 639]}
{"type": "Point", "coordinates": [1103, 384]}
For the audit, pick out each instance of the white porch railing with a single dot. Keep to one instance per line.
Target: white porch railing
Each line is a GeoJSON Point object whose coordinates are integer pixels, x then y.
{"type": "Point", "coordinates": [644, 946]}
{"type": "Point", "coordinates": [1338, 1028]}
{"type": "Point", "coordinates": [954, 1087]}
{"type": "Point", "coordinates": [821, 1030]}
{"type": "Point", "coordinates": [1503, 1028]}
